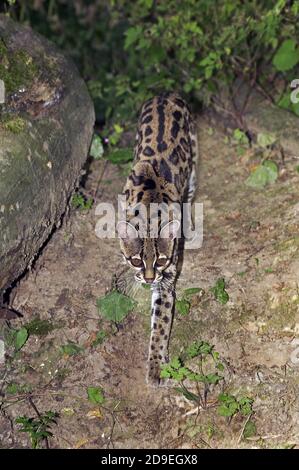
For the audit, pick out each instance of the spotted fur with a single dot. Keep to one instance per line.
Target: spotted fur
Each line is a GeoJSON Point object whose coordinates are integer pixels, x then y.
{"type": "Point", "coordinates": [164, 170]}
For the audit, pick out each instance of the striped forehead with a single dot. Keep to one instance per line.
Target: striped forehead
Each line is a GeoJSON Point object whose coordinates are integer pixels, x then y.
{"type": "Point", "coordinates": [149, 250]}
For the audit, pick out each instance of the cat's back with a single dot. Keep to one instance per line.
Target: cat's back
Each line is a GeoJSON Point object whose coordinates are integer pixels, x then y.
{"type": "Point", "coordinates": [163, 156]}
{"type": "Point", "coordinates": [163, 129]}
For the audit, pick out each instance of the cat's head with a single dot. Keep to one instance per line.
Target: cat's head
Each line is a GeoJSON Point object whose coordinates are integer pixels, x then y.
{"type": "Point", "coordinates": [149, 257]}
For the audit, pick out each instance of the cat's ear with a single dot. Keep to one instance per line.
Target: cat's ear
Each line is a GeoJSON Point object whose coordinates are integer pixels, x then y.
{"type": "Point", "coordinates": [170, 230]}
{"type": "Point", "coordinates": [126, 230]}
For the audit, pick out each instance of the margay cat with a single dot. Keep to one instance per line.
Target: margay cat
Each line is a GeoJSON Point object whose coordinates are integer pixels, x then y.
{"type": "Point", "coordinates": [164, 170]}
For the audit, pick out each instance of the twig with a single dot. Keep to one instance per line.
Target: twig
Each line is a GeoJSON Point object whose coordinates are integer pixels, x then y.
{"type": "Point", "coordinates": [243, 428]}
{"type": "Point", "coordinates": [100, 179]}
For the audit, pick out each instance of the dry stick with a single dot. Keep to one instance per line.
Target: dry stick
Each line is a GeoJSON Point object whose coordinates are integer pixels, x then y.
{"type": "Point", "coordinates": [243, 428]}
{"type": "Point", "coordinates": [111, 432]}
{"type": "Point", "coordinates": [39, 416]}
{"type": "Point", "coordinates": [264, 93]}
{"type": "Point", "coordinates": [11, 422]}
{"type": "Point", "coordinates": [100, 179]}
{"type": "Point", "coordinates": [221, 107]}
{"type": "Point", "coordinates": [204, 442]}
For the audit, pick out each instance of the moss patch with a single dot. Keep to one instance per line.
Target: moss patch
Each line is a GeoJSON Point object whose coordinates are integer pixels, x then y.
{"type": "Point", "coordinates": [40, 327]}
{"type": "Point", "coordinates": [15, 125]}
{"type": "Point", "coordinates": [17, 68]}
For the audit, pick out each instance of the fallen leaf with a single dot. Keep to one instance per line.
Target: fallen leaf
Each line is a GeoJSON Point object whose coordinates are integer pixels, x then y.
{"type": "Point", "coordinates": [96, 413]}
{"type": "Point", "coordinates": [82, 442]}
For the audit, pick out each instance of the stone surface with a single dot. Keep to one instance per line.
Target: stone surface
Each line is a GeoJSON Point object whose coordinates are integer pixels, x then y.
{"type": "Point", "coordinates": [46, 125]}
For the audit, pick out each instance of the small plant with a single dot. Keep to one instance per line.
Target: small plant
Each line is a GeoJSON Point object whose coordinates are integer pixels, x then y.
{"type": "Point", "coordinates": [38, 428]}
{"type": "Point", "coordinates": [115, 306]}
{"type": "Point", "coordinates": [95, 395]}
{"type": "Point", "coordinates": [100, 338]}
{"type": "Point", "coordinates": [14, 389]}
{"type": "Point", "coordinates": [71, 349]}
{"type": "Point", "coordinates": [80, 202]}
{"type": "Point", "coordinates": [96, 149]}
{"type": "Point", "coordinates": [240, 137]}
{"type": "Point", "coordinates": [120, 156]}
{"type": "Point", "coordinates": [264, 174]}
{"type": "Point", "coordinates": [178, 370]}
{"type": "Point", "coordinates": [183, 304]}
{"type": "Point", "coordinates": [21, 338]}
{"type": "Point", "coordinates": [115, 136]}
{"type": "Point", "coordinates": [114, 154]}
{"type": "Point", "coordinates": [265, 139]}
{"type": "Point", "coordinates": [219, 291]}
{"type": "Point", "coordinates": [16, 338]}
{"type": "Point", "coordinates": [15, 125]}
{"type": "Point", "coordinates": [241, 140]}
{"type": "Point", "coordinates": [230, 405]}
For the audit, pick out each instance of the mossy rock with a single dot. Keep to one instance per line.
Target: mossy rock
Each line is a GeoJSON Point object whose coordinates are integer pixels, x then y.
{"type": "Point", "coordinates": [46, 125]}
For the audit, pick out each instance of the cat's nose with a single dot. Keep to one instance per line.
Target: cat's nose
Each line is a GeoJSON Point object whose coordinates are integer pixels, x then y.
{"type": "Point", "coordinates": [149, 280]}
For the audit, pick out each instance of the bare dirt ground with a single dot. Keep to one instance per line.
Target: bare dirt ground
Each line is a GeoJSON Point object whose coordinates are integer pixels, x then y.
{"type": "Point", "coordinates": [250, 239]}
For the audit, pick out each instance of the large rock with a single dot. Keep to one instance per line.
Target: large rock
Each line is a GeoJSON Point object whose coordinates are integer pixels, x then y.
{"type": "Point", "coordinates": [46, 125]}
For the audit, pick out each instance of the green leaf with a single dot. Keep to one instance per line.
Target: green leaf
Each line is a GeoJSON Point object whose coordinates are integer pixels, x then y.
{"type": "Point", "coordinates": [80, 202]}
{"type": "Point", "coordinates": [228, 411]}
{"type": "Point", "coordinates": [272, 170]}
{"type": "Point", "coordinates": [287, 56]}
{"type": "Point", "coordinates": [132, 35]}
{"type": "Point", "coordinates": [219, 292]}
{"type": "Point", "coordinates": [213, 378]}
{"type": "Point", "coordinates": [95, 395]}
{"type": "Point", "coordinates": [12, 389]}
{"type": "Point", "coordinates": [228, 405]}
{"type": "Point", "coordinates": [191, 291]}
{"type": "Point", "coordinates": [182, 306]}
{"type": "Point", "coordinates": [249, 430]}
{"type": "Point", "coordinates": [71, 349]}
{"type": "Point", "coordinates": [245, 405]}
{"type": "Point", "coordinates": [199, 348]}
{"type": "Point", "coordinates": [120, 156]}
{"type": "Point", "coordinates": [264, 174]}
{"type": "Point", "coordinates": [21, 338]}
{"type": "Point", "coordinates": [240, 137]}
{"type": "Point", "coordinates": [118, 129]}
{"type": "Point", "coordinates": [174, 370]}
{"type": "Point", "coordinates": [286, 103]}
{"type": "Point", "coordinates": [189, 395]}
{"type": "Point", "coordinates": [265, 139]}
{"type": "Point", "coordinates": [115, 306]}
{"type": "Point", "coordinates": [96, 149]}
{"type": "Point", "coordinates": [100, 337]}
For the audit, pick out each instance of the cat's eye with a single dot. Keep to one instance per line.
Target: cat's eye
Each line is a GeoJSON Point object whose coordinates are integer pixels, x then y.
{"type": "Point", "coordinates": [161, 261]}
{"type": "Point", "coordinates": [137, 262]}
